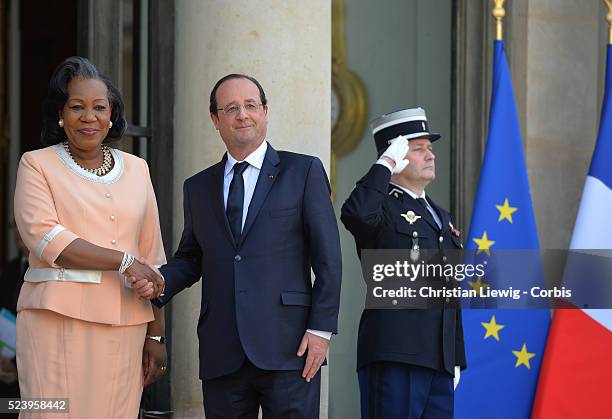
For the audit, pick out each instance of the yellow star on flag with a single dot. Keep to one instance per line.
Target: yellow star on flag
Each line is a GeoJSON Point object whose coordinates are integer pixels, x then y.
{"type": "Point", "coordinates": [523, 357]}
{"type": "Point", "coordinates": [478, 285]}
{"type": "Point", "coordinates": [484, 244]}
{"type": "Point", "coordinates": [506, 211]}
{"type": "Point", "coordinates": [492, 328]}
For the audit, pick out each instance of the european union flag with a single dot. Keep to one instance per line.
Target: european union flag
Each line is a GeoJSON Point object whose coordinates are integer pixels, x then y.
{"type": "Point", "coordinates": [504, 348]}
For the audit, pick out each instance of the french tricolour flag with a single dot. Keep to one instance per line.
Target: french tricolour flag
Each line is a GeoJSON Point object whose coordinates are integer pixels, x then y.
{"type": "Point", "coordinates": [576, 376]}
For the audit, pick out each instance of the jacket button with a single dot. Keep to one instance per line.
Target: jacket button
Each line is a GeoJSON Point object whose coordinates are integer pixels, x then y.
{"type": "Point", "coordinates": [107, 195]}
{"type": "Point", "coordinates": [444, 258]}
{"type": "Point", "coordinates": [237, 258]}
{"type": "Point", "coordinates": [112, 218]}
{"type": "Point", "coordinates": [113, 241]}
{"type": "Point", "coordinates": [441, 239]}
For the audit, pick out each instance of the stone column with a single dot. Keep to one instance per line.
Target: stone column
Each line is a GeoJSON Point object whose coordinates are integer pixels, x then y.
{"type": "Point", "coordinates": [556, 52]}
{"type": "Point", "coordinates": [286, 45]}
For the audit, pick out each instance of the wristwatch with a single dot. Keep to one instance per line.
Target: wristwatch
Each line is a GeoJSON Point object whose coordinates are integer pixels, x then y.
{"type": "Point", "coordinates": [159, 339]}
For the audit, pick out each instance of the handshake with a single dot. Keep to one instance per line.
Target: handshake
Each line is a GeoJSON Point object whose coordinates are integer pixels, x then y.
{"type": "Point", "coordinates": [146, 280]}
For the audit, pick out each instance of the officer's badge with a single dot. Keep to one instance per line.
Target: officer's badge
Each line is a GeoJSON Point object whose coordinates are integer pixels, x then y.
{"type": "Point", "coordinates": [411, 217]}
{"type": "Point", "coordinates": [453, 229]}
{"type": "Point", "coordinates": [395, 192]}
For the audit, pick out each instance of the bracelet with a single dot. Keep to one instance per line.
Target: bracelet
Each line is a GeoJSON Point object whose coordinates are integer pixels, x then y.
{"type": "Point", "coordinates": [126, 262]}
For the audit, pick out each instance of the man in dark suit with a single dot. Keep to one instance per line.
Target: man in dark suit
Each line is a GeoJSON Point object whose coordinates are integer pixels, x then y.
{"type": "Point", "coordinates": [255, 225]}
{"type": "Point", "coordinates": [406, 358]}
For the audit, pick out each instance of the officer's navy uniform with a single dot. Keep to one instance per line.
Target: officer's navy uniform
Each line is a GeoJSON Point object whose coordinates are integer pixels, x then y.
{"type": "Point", "coordinates": [403, 353]}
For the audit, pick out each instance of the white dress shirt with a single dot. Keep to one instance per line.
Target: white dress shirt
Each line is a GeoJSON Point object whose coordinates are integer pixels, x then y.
{"type": "Point", "coordinates": [250, 175]}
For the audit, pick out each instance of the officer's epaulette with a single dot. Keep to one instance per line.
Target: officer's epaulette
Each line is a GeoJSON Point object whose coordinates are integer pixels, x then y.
{"type": "Point", "coordinates": [396, 192]}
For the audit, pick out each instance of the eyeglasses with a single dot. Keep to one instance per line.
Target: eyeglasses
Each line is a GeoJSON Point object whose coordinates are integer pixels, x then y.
{"type": "Point", "coordinates": [233, 110]}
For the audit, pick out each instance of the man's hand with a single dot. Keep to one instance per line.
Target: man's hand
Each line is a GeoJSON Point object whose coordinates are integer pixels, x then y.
{"type": "Point", "coordinates": [395, 154]}
{"type": "Point", "coordinates": [316, 349]}
{"type": "Point", "coordinates": [161, 284]}
{"type": "Point", "coordinates": [456, 377]}
{"type": "Point", "coordinates": [154, 361]}
{"type": "Point", "coordinates": [146, 282]}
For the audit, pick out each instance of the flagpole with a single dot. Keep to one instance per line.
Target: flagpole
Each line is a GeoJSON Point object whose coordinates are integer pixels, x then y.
{"type": "Point", "coordinates": [499, 12]}
{"type": "Point", "coordinates": [503, 178]}
{"type": "Point", "coordinates": [609, 19]}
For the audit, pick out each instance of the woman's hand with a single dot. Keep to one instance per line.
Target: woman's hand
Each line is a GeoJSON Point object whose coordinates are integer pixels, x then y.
{"type": "Point", "coordinates": [154, 359]}
{"type": "Point", "coordinates": [8, 370]}
{"type": "Point", "coordinates": [146, 282]}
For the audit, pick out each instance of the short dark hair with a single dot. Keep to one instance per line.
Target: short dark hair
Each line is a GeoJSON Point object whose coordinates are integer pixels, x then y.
{"type": "Point", "coordinates": [57, 95]}
{"type": "Point", "coordinates": [213, 94]}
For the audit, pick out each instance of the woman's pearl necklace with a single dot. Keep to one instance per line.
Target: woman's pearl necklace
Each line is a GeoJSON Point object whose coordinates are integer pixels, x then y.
{"type": "Point", "coordinates": [107, 161]}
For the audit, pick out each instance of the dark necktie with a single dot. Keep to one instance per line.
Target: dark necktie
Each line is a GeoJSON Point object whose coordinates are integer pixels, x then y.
{"type": "Point", "coordinates": [235, 200]}
{"type": "Point", "coordinates": [423, 203]}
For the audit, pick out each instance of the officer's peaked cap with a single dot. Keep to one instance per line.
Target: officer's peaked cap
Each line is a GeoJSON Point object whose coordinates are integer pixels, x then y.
{"type": "Point", "coordinates": [409, 122]}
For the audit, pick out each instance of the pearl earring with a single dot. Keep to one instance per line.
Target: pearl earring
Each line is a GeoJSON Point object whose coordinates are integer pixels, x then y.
{"type": "Point", "coordinates": [110, 124]}
{"type": "Point", "coordinates": [60, 123]}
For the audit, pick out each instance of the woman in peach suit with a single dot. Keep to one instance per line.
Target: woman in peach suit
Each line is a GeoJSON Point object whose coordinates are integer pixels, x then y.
{"type": "Point", "coordinates": [89, 217]}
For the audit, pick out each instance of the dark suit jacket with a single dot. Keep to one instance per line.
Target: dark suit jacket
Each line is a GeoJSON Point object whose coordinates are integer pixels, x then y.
{"type": "Point", "coordinates": [431, 338]}
{"type": "Point", "coordinates": [257, 295]}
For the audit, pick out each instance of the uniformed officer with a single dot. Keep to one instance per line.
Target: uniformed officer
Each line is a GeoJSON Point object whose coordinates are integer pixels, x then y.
{"type": "Point", "coordinates": [406, 358]}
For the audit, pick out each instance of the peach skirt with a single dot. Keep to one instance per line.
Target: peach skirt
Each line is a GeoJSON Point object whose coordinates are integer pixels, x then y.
{"type": "Point", "coordinates": [97, 367]}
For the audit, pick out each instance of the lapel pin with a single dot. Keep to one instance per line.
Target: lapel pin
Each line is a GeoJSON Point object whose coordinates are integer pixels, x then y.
{"type": "Point", "coordinates": [271, 177]}
{"type": "Point", "coordinates": [411, 217]}
{"type": "Point", "coordinates": [454, 230]}
{"type": "Point", "coordinates": [395, 192]}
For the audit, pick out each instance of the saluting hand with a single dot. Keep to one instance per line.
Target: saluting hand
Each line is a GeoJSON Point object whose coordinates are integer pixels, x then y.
{"type": "Point", "coordinates": [395, 154]}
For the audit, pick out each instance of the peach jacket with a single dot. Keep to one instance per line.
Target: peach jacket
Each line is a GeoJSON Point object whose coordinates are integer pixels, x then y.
{"type": "Point", "coordinates": [57, 202]}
